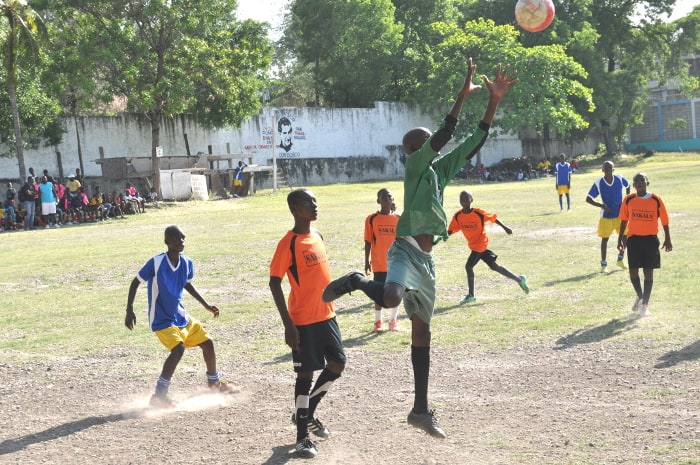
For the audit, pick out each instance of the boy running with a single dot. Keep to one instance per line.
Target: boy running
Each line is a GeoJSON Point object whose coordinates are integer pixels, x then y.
{"type": "Point", "coordinates": [471, 222]}
{"type": "Point", "coordinates": [609, 187]}
{"type": "Point", "coordinates": [167, 275]}
{"type": "Point", "coordinates": [310, 327]}
{"type": "Point", "coordinates": [423, 223]}
{"type": "Point", "coordinates": [380, 233]}
{"type": "Point", "coordinates": [640, 214]}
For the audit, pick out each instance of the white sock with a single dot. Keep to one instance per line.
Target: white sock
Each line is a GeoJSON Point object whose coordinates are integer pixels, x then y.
{"type": "Point", "coordinates": [394, 313]}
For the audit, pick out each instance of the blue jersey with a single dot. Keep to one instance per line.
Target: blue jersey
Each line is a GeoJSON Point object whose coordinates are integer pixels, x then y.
{"type": "Point", "coordinates": [611, 194]}
{"type": "Point", "coordinates": [563, 171]}
{"type": "Point", "coordinates": [166, 284]}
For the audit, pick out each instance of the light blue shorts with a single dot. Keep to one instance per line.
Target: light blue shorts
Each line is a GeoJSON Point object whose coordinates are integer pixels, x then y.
{"type": "Point", "coordinates": [414, 270]}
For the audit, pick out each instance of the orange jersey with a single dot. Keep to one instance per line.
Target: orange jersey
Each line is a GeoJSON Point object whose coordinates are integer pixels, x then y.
{"type": "Point", "coordinates": [472, 226]}
{"type": "Point", "coordinates": [643, 214]}
{"type": "Point", "coordinates": [380, 233]}
{"type": "Point", "coordinates": [302, 258]}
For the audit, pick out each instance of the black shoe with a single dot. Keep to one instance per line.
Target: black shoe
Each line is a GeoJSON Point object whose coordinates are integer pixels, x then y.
{"type": "Point", "coordinates": [305, 448]}
{"type": "Point", "coordinates": [340, 286]}
{"type": "Point", "coordinates": [315, 426]}
{"type": "Point", "coordinates": [426, 422]}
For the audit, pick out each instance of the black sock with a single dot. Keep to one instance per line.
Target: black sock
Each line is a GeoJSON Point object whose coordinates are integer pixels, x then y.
{"type": "Point", "coordinates": [637, 284]}
{"type": "Point", "coordinates": [323, 384]}
{"type": "Point", "coordinates": [301, 400]}
{"type": "Point", "coordinates": [470, 285]}
{"type": "Point", "coordinates": [373, 289]}
{"type": "Point", "coordinates": [647, 290]}
{"type": "Point", "coordinates": [420, 358]}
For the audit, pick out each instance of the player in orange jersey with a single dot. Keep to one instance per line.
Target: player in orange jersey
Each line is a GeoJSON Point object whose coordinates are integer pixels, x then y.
{"type": "Point", "coordinates": [380, 233]}
{"type": "Point", "coordinates": [640, 215]}
{"type": "Point", "coordinates": [471, 222]}
{"type": "Point", "coordinates": [310, 327]}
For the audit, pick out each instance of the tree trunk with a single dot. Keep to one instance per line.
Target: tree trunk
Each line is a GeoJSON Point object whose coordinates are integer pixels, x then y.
{"type": "Point", "coordinates": [18, 129]}
{"type": "Point", "coordinates": [546, 141]}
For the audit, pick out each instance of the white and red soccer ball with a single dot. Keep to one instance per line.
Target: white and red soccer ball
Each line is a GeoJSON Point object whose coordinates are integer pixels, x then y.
{"type": "Point", "coordinates": [534, 15]}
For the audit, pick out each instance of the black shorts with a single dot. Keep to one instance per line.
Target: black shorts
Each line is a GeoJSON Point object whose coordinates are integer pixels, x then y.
{"type": "Point", "coordinates": [487, 256]}
{"type": "Point", "coordinates": [643, 252]}
{"type": "Point", "coordinates": [318, 342]}
{"type": "Point", "coordinates": [379, 276]}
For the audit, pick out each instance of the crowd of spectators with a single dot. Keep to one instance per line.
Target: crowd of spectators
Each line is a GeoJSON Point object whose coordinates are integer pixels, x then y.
{"type": "Point", "coordinates": [46, 202]}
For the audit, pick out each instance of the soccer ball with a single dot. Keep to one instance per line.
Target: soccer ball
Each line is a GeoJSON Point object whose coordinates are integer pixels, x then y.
{"type": "Point", "coordinates": [534, 15]}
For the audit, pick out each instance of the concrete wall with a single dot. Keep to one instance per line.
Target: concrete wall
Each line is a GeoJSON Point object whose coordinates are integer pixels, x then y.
{"type": "Point", "coordinates": [327, 144]}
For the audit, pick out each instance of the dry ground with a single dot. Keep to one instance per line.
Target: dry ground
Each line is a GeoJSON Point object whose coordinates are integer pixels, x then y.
{"type": "Point", "coordinates": [588, 398]}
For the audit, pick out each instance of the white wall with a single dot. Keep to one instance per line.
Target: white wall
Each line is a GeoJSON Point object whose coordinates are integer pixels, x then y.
{"type": "Point", "coordinates": [317, 133]}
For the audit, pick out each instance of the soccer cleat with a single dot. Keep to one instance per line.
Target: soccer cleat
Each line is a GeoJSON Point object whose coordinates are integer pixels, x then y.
{"type": "Point", "coordinates": [643, 309]}
{"type": "Point", "coordinates": [467, 299]}
{"type": "Point", "coordinates": [637, 304]}
{"type": "Point", "coordinates": [603, 269]}
{"type": "Point", "coordinates": [523, 284]}
{"type": "Point", "coordinates": [340, 286]}
{"type": "Point", "coordinates": [426, 422]}
{"type": "Point", "coordinates": [393, 325]}
{"type": "Point", "coordinates": [223, 387]}
{"type": "Point", "coordinates": [162, 401]}
{"type": "Point", "coordinates": [315, 426]}
{"type": "Point", "coordinates": [621, 264]}
{"type": "Point", "coordinates": [305, 448]}
{"type": "Point", "coordinates": [378, 328]}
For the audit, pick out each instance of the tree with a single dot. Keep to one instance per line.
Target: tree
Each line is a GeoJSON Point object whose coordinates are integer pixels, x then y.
{"type": "Point", "coordinates": [169, 57]}
{"type": "Point", "coordinates": [549, 95]}
{"type": "Point", "coordinates": [21, 26]}
{"type": "Point", "coordinates": [347, 44]}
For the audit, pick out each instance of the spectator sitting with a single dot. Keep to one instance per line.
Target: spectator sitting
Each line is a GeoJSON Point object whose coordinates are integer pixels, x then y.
{"type": "Point", "coordinates": [99, 205]}
{"type": "Point", "coordinates": [116, 202]}
{"type": "Point", "coordinates": [574, 166]}
{"type": "Point", "coordinates": [9, 216]}
{"type": "Point", "coordinates": [131, 196]}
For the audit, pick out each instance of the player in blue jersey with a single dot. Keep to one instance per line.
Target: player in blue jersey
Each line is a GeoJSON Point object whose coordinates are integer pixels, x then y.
{"type": "Point", "coordinates": [562, 181]}
{"type": "Point", "coordinates": [609, 188]}
{"type": "Point", "coordinates": [167, 275]}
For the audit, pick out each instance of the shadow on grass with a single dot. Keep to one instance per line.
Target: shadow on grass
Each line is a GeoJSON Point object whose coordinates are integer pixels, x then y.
{"type": "Point", "coordinates": [358, 309]}
{"type": "Point", "coordinates": [574, 279]}
{"type": "Point", "coordinates": [10, 446]}
{"type": "Point", "coordinates": [610, 329]}
{"type": "Point", "coordinates": [674, 357]}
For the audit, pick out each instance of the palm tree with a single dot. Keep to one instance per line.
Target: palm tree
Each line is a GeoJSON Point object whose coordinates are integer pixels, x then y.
{"type": "Point", "coordinates": [22, 25]}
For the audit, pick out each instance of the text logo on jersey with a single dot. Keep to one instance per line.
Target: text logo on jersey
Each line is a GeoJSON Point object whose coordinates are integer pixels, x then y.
{"type": "Point", "coordinates": [313, 258]}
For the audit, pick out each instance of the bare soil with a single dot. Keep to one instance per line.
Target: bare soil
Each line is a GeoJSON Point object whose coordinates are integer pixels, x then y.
{"type": "Point", "coordinates": [588, 398]}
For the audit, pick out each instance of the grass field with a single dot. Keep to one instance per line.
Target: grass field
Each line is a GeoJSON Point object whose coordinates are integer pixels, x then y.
{"type": "Point", "coordinates": [64, 290]}
{"type": "Point", "coordinates": [513, 387]}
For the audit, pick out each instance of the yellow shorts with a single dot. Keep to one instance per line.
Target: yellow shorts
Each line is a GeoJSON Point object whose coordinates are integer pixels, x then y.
{"type": "Point", "coordinates": [191, 335]}
{"type": "Point", "coordinates": [237, 182]}
{"type": "Point", "coordinates": [562, 189]}
{"type": "Point", "coordinates": [606, 226]}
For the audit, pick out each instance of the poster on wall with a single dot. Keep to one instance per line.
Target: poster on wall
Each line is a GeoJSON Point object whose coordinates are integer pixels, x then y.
{"type": "Point", "coordinates": [290, 133]}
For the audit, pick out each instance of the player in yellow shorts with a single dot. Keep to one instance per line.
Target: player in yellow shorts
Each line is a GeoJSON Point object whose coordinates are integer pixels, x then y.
{"type": "Point", "coordinates": [167, 275]}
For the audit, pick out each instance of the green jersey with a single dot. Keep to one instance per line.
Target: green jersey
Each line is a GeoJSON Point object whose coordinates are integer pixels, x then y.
{"type": "Point", "coordinates": [427, 175]}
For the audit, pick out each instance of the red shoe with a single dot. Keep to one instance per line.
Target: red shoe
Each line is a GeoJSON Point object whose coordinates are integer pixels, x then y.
{"type": "Point", "coordinates": [378, 328]}
{"type": "Point", "coordinates": [223, 387]}
{"type": "Point", "coordinates": [393, 325]}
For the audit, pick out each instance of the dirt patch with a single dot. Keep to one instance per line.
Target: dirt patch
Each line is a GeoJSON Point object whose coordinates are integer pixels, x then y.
{"type": "Point", "coordinates": [579, 401]}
